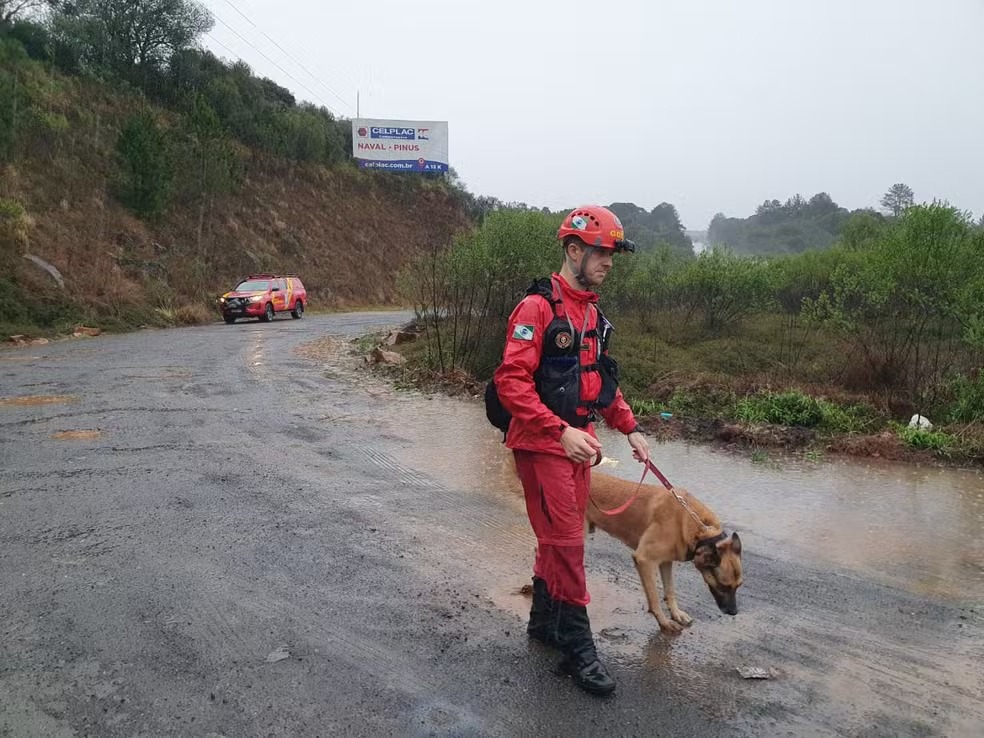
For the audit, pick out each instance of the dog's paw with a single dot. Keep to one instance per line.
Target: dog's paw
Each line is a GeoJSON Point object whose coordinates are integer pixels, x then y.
{"type": "Point", "coordinates": [670, 627]}
{"type": "Point", "coordinates": [681, 617]}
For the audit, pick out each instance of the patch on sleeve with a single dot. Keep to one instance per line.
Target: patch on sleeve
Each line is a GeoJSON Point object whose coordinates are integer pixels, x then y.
{"type": "Point", "coordinates": [523, 332]}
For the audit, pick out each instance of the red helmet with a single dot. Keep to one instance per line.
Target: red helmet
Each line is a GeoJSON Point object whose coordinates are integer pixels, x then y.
{"type": "Point", "coordinates": [595, 226]}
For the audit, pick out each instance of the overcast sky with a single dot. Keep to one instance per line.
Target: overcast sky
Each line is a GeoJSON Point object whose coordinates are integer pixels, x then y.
{"type": "Point", "coordinates": [712, 105]}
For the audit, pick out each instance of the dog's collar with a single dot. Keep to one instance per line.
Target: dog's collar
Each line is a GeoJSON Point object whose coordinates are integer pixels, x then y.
{"type": "Point", "coordinates": [703, 543]}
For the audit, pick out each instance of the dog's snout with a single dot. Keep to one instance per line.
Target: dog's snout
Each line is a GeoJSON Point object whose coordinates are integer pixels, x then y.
{"type": "Point", "coordinates": [726, 601]}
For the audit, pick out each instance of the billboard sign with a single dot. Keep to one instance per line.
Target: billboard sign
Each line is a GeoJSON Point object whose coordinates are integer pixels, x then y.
{"type": "Point", "coordinates": [400, 145]}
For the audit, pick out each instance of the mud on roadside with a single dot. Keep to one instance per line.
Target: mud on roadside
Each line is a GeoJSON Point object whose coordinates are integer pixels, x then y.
{"type": "Point", "coordinates": [881, 444]}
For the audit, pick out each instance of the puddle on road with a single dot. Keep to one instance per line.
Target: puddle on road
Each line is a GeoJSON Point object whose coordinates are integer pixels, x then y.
{"type": "Point", "coordinates": [162, 373]}
{"type": "Point", "coordinates": [32, 400]}
{"type": "Point", "coordinates": [76, 435]}
{"type": "Point", "coordinates": [915, 528]}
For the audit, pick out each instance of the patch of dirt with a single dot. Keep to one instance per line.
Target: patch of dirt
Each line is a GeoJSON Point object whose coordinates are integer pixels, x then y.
{"type": "Point", "coordinates": [884, 445]}
{"type": "Point", "coordinates": [76, 435]}
{"type": "Point", "coordinates": [322, 349]}
{"type": "Point", "coordinates": [456, 383]}
{"type": "Point", "coordinates": [29, 400]}
{"type": "Point", "coordinates": [341, 359]}
{"type": "Point", "coordinates": [766, 435]}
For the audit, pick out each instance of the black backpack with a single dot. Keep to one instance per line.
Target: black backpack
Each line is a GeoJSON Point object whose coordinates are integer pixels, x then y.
{"type": "Point", "coordinates": [498, 415]}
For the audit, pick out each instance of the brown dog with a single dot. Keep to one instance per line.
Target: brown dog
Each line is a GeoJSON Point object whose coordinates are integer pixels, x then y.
{"type": "Point", "coordinates": [659, 530]}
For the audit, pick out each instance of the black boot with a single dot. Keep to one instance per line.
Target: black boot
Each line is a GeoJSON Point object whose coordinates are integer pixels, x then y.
{"type": "Point", "coordinates": [581, 662]}
{"type": "Point", "coordinates": [542, 614]}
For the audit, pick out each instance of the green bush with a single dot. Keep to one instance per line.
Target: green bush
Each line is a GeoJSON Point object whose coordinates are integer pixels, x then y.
{"type": "Point", "coordinates": [146, 172]}
{"type": "Point", "coordinates": [802, 277]}
{"type": "Point", "coordinates": [707, 403]}
{"type": "Point", "coordinates": [797, 409]}
{"type": "Point", "coordinates": [21, 311]}
{"type": "Point", "coordinates": [11, 211]}
{"type": "Point", "coordinates": [206, 160]}
{"type": "Point", "coordinates": [721, 288]}
{"type": "Point", "coordinates": [968, 399]}
{"type": "Point", "coordinates": [15, 100]}
{"type": "Point", "coordinates": [642, 407]}
{"type": "Point", "coordinates": [13, 226]}
{"type": "Point", "coordinates": [306, 136]}
{"type": "Point", "coordinates": [639, 284]}
{"type": "Point", "coordinates": [787, 408]}
{"type": "Point", "coordinates": [907, 301]}
{"type": "Point", "coordinates": [464, 294]}
{"type": "Point", "coordinates": [853, 419]}
{"type": "Point", "coordinates": [50, 122]}
{"type": "Point", "coordinates": [34, 37]}
{"type": "Point", "coordinates": [938, 442]}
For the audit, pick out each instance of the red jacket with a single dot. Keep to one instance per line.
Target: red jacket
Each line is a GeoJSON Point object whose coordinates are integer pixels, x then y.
{"type": "Point", "coordinates": [534, 427]}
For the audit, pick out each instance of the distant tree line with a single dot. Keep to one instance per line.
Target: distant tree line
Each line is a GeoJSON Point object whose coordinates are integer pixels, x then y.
{"type": "Point", "coordinates": [798, 224]}
{"type": "Point", "coordinates": [788, 227]}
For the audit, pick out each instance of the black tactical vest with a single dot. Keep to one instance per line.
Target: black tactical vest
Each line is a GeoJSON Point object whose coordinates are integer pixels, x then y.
{"type": "Point", "coordinates": [558, 376]}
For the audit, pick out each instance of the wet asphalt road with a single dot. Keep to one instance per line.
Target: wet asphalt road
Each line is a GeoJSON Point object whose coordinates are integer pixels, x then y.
{"type": "Point", "coordinates": [240, 499]}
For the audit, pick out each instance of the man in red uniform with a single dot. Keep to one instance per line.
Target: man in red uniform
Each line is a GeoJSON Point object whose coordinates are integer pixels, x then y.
{"type": "Point", "coordinates": [555, 378]}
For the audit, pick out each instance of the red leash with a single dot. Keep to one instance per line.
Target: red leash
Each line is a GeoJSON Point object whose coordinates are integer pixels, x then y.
{"type": "Point", "coordinates": [650, 466]}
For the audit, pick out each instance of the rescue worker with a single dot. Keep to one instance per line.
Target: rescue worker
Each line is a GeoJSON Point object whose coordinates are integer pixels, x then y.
{"type": "Point", "coordinates": [554, 379]}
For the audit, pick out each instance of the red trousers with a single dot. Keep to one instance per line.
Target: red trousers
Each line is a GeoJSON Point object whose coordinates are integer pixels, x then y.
{"type": "Point", "coordinates": [556, 498]}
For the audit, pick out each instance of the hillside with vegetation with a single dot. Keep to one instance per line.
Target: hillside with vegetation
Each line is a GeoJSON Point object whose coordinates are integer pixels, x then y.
{"type": "Point", "coordinates": [151, 180]}
{"type": "Point", "coordinates": [140, 176]}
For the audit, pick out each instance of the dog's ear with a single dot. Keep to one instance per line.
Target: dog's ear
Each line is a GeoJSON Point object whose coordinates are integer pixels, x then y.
{"type": "Point", "coordinates": [732, 543]}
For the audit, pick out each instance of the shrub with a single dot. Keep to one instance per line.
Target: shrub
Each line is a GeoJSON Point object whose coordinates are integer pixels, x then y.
{"type": "Point", "coordinates": [968, 399]}
{"type": "Point", "coordinates": [797, 409]}
{"type": "Point", "coordinates": [938, 442]}
{"type": "Point", "coordinates": [464, 294]}
{"type": "Point", "coordinates": [192, 314]}
{"type": "Point", "coordinates": [147, 174]}
{"type": "Point", "coordinates": [721, 288]}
